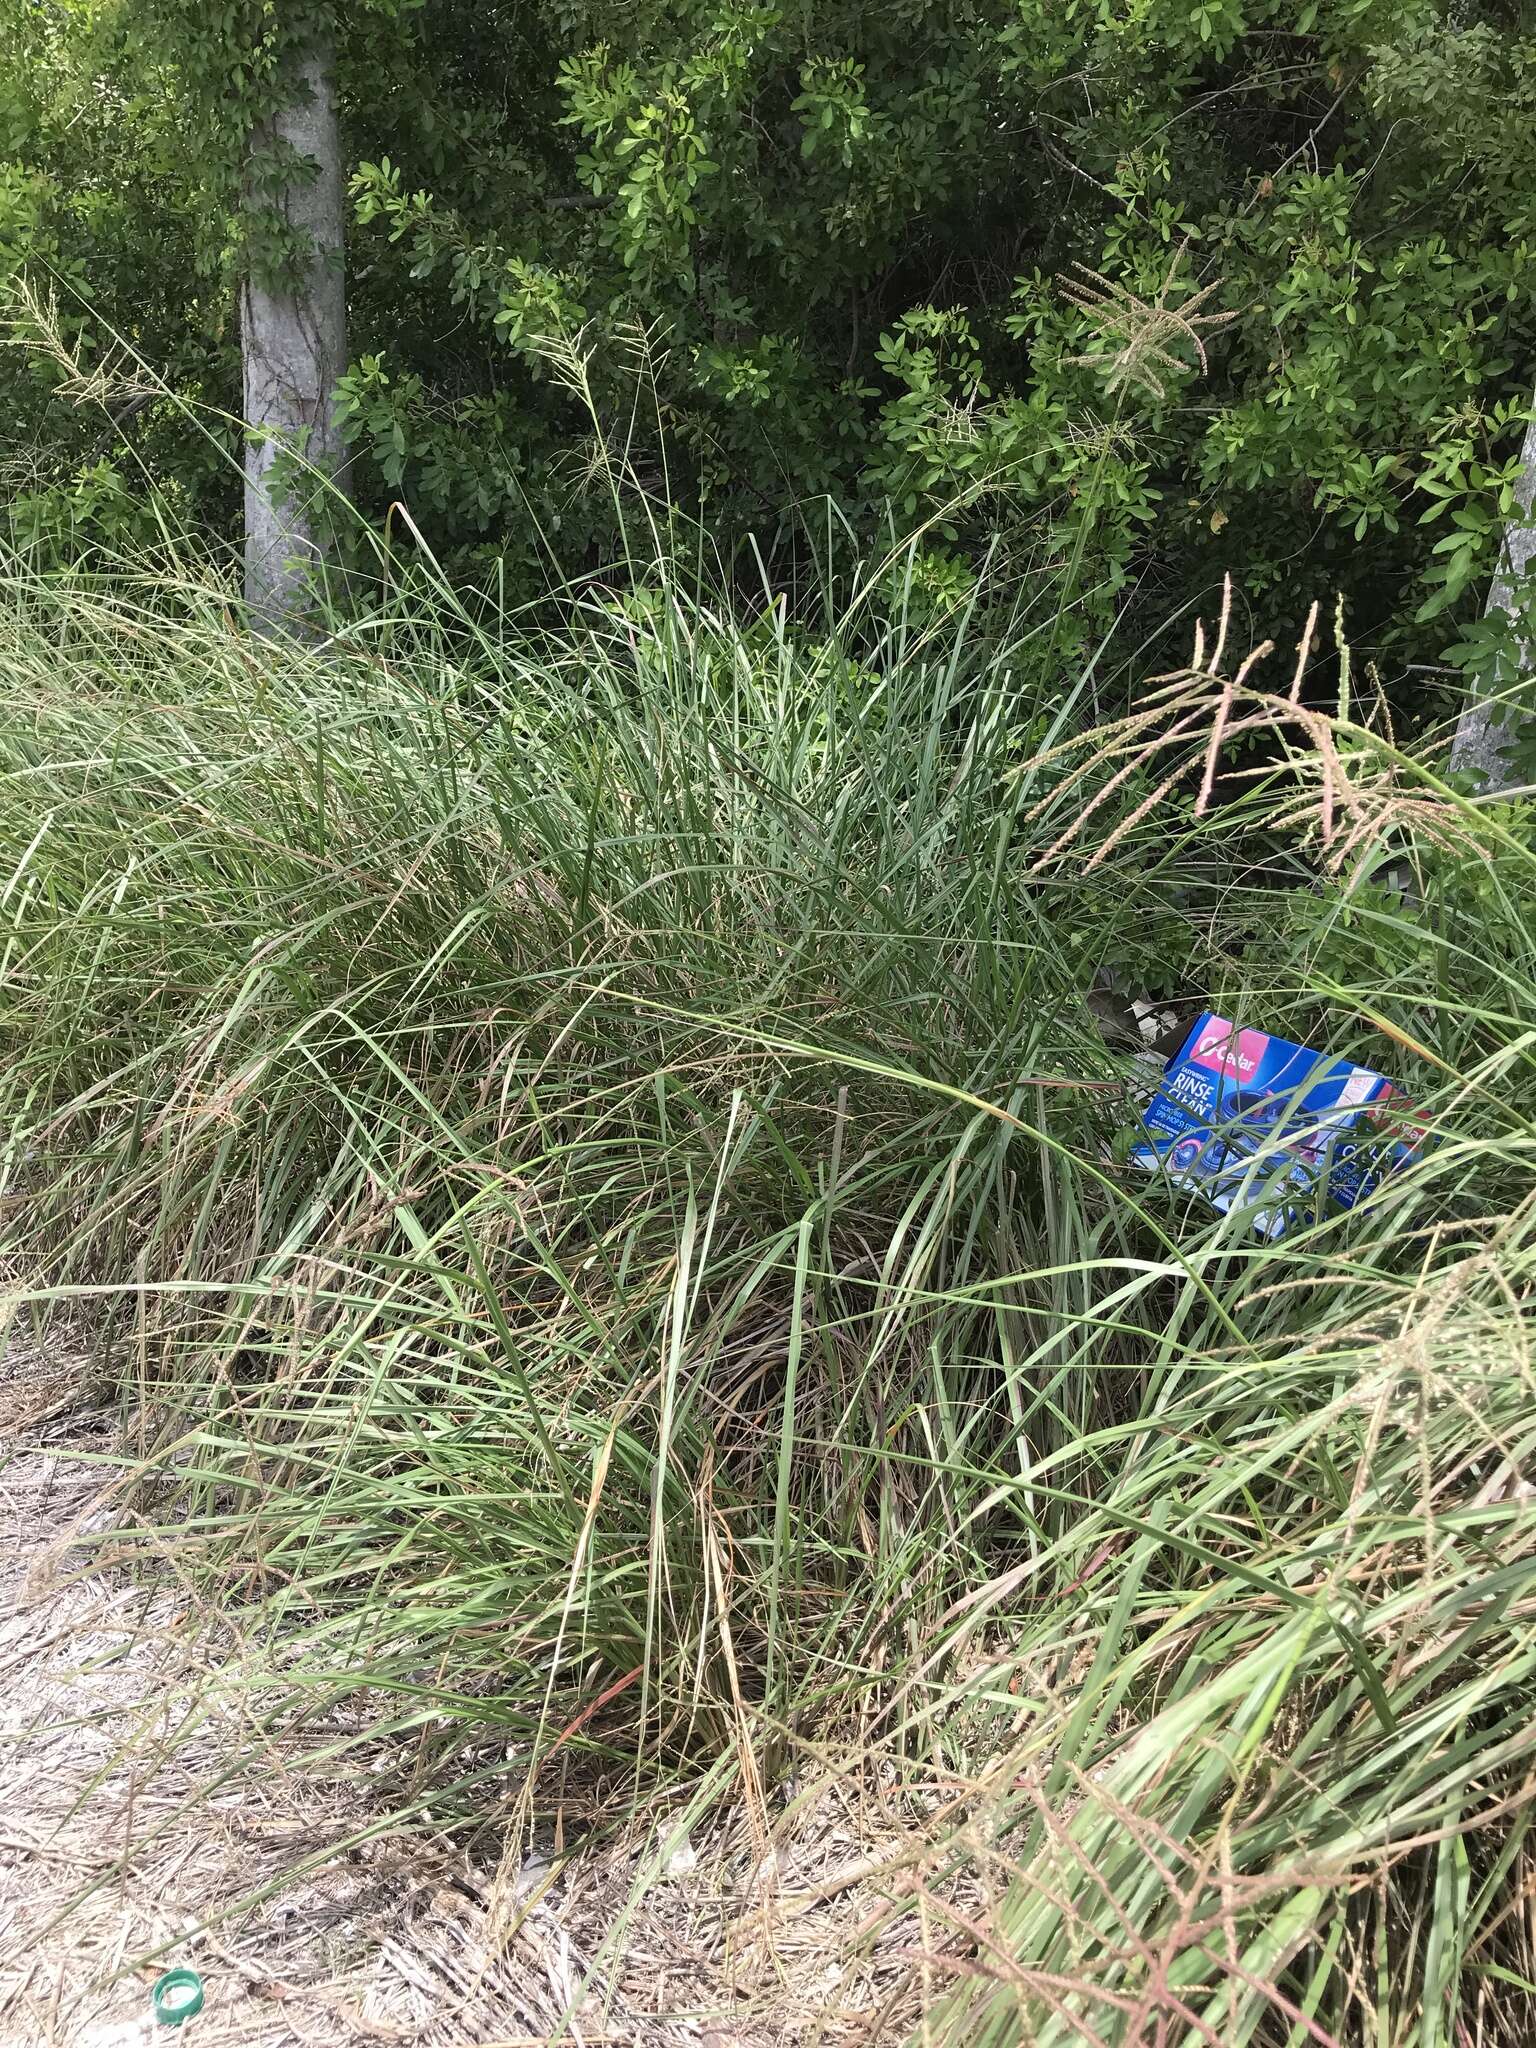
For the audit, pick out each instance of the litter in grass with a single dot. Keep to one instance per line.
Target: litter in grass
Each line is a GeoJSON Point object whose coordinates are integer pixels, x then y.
{"type": "Point", "coordinates": [1254, 1122]}
{"type": "Point", "coordinates": [178, 1996]}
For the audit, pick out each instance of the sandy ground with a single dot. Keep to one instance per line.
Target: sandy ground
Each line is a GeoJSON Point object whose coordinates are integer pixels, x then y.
{"type": "Point", "coordinates": [121, 1856]}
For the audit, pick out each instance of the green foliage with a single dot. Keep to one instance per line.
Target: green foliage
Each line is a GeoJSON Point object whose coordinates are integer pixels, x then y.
{"type": "Point", "coordinates": [847, 236]}
{"type": "Point", "coordinates": [105, 270]}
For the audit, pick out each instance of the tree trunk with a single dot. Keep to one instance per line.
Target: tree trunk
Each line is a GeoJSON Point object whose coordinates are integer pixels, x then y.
{"type": "Point", "coordinates": [294, 341]}
{"type": "Point", "coordinates": [1479, 735]}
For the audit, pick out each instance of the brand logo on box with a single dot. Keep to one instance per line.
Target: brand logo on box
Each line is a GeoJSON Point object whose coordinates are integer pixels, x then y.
{"type": "Point", "coordinates": [1398, 1118]}
{"type": "Point", "coordinates": [1226, 1051]}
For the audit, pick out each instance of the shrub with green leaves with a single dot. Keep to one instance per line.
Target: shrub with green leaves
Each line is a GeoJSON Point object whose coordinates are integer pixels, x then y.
{"type": "Point", "coordinates": [1171, 287]}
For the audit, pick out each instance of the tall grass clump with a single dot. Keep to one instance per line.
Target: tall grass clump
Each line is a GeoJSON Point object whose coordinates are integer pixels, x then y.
{"type": "Point", "coordinates": [599, 1188]}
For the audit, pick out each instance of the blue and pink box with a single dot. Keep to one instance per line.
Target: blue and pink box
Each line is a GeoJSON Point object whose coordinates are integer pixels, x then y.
{"type": "Point", "coordinates": [1255, 1122]}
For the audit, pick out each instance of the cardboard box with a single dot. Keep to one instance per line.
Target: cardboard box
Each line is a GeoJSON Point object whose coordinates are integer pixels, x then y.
{"type": "Point", "coordinates": [1255, 1122]}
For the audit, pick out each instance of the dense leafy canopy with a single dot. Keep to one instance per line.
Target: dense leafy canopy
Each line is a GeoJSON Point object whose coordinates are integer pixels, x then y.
{"type": "Point", "coordinates": [1147, 286]}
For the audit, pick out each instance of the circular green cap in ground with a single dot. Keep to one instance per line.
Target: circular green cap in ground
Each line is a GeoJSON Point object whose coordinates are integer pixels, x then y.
{"type": "Point", "coordinates": [177, 1996]}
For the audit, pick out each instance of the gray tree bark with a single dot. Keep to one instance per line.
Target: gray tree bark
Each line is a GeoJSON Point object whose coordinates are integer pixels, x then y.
{"type": "Point", "coordinates": [1479, 735]}
{"type": "Point", "coordinates": [294, 344]}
